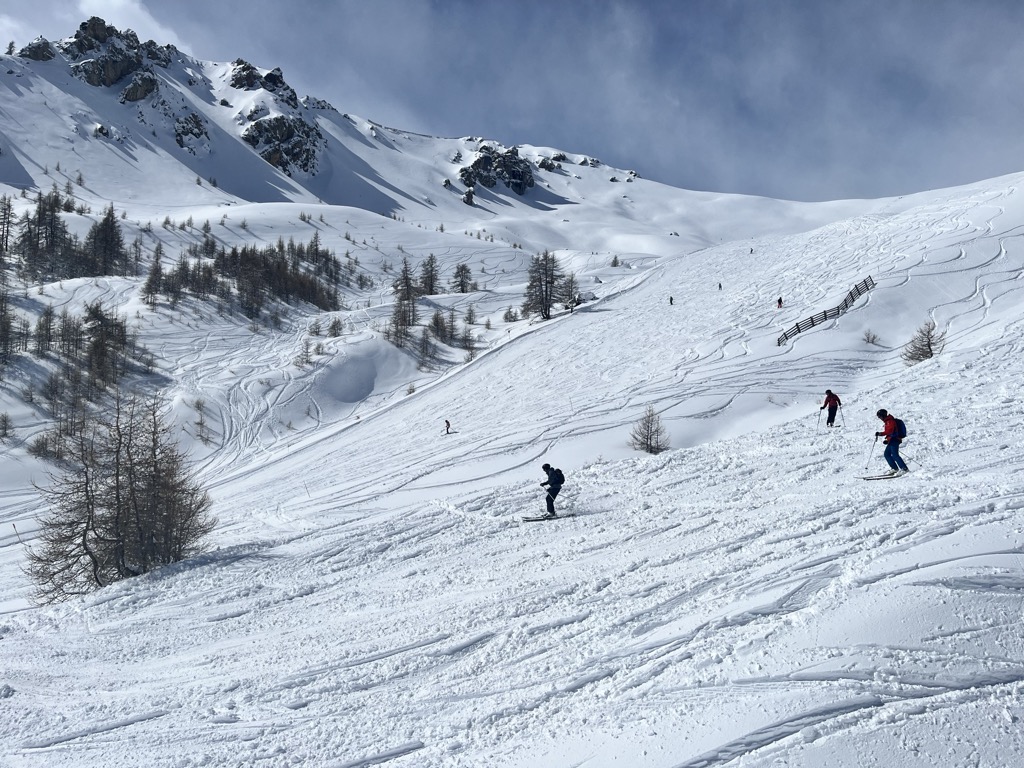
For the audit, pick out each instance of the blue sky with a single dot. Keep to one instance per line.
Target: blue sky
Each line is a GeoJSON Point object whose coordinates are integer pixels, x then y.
{"type": "Point", "coordinates": [794, 99]}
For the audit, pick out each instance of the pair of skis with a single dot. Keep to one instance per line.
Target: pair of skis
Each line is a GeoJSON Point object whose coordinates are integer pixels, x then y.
{"type": "Point", "coordinates": [545, 517]}
{"type": "Point", "coordinates": [882, 477]}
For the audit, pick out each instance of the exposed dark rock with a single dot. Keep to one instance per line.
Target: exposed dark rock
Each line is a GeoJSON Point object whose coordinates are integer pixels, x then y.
{"type": "Point", "coordinates": [189, 128]}
{"type": "Point", "coordinates": [158, 54]}
{"type": "Point", "coordinates": [490, 166]}
{"type": "Point", "coordinates": [245, 77]}
{"type": "Point", "coordinates": [311, 102]}
{"type": "Point", "coordinates": [258, 110]}
{"type": "Point", "coordinates": [39, 49]}
{"type": "Point", "coordinates": [288, 143]}
{"type": "Point", "coordinates": [108, 69]}
{"type": "Point", "coordinates": [112, 55]}
{"type": "Point", "coordinates": [143, 84]}
{"type": "Point", "coordinates": [94, 35]}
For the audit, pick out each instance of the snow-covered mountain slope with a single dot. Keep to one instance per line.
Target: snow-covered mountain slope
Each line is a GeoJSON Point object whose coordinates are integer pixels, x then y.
{"type": "Point", "coordinates": [371, 595]}
{"type": "Point", "coordinates": [374, 598]}
{"type": "Point", "coordinates": [194, 124]}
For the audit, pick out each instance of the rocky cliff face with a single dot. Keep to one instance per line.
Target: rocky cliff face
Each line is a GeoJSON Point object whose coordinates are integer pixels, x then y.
{"type": "Point", "coordinates": [490, 166]}
{"type": "Point", "coordinates": [39, 49]}
{"type": "Point", "coordinates": [103, 56]}
{"type": "Point", "coordinates": [278, 127]}
{"type": "Point", "coordinates": [245, 77]}
{"type": "Point", "coordinates": [286, 142]}
{"type": "Point", "coordinates": [143, 83]}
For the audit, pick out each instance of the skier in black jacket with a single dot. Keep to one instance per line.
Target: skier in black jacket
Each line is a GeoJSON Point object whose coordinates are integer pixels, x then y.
{"type": "Point", "coordinates": [554, 485]}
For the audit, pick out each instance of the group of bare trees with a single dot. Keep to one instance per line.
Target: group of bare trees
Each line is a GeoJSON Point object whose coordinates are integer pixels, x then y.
{"type": "Point", "coordinates": [125, 505]}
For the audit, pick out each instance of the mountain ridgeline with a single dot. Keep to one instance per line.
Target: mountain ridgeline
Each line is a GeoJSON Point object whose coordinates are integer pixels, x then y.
{"type": "Point", "coordinates": [142, 95]}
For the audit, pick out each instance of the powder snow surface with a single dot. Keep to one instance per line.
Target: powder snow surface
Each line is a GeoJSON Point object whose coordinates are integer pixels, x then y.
{"type": "Point", "coordinates": [371, 595]}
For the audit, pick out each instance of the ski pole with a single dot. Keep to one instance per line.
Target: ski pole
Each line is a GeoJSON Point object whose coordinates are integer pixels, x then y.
{"type": "Point", "coordinates": [842, 416]}
{"type": "Point", "coordinates": [870, 451]}
{"type": "Point", "coordinates": [819, 420]}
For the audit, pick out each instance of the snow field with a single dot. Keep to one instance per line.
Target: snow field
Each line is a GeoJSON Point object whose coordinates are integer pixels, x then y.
{"type": "Point", "coordinates": [371, 596]}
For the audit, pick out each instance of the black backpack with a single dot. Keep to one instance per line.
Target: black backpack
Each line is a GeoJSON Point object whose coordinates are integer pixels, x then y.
{"type": "Point", "coordinates": [559, 477]}
{"type": "Point", "coordinates": [901, 430]}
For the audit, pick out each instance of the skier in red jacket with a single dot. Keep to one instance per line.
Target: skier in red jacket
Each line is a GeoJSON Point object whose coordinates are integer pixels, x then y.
{"type": "Point", "coordinates": [890, 431]}
{"type": "Point", "coordinates": [833, 404]}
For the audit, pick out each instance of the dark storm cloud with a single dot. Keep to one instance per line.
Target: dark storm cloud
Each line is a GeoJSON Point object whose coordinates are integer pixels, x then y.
{"type": "Point", "coordinates": [794, 99]}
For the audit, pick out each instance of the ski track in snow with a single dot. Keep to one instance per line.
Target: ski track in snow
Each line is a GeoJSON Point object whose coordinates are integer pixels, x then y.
{"type": "Point", "coordinates": [746, 601]}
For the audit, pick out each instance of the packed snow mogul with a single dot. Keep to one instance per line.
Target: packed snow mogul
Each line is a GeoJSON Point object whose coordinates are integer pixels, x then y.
{"type": "Point", "coordinates": [833, 404]}
{"type": "Point", "coordinates": [893, 430]}
{"type": "Point", "coordinates": [554, 485]}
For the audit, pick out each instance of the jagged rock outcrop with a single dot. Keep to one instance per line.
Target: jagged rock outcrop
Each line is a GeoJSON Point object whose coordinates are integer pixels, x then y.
{"type": "Point", "coordinates": [158, 54]}
{"type": "Point", "coordinates": [39, 49]}
{"type": "Point", "coordinates": [245, 77]}
{"type": "Point", "coordinates": [311, 102]}
{"type": "Point", "coordinates": [491, 166]}
{"type": "Point", "coordinates": [103, 55]}
{"type": "Point", "coordinates": [92, 35]}
{"type": "Point", "coordinates": [288, 143]}
{"type": "Point", "coordinates": [143, 83]}
{"type": "Point", "coordinates": [189, 130]}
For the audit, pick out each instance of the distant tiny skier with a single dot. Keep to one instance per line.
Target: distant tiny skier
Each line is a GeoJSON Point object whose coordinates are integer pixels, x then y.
{"type": "Point", "coordinates": [671, 301]}
{"type": "Point", "coordinates": [447, 427]}
{"type": "Point", "coordinates": [833, 404]}
{"type": "Point", "coordinates": [554, 485]}
{"type": "Point", "coordinates": [780, 302]}
{"type": "Point", "coordinates": [892, 433]}
{"type": "Point", "coordinates": [719, 286]}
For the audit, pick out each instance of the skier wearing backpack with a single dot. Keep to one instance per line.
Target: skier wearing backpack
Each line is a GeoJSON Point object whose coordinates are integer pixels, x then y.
{"type": "Point", "coordinates": [893, 431]}
{"type": "Point", "coordinates": [554, 485]}
{"type": "Point", "coordinates": [833, 404]}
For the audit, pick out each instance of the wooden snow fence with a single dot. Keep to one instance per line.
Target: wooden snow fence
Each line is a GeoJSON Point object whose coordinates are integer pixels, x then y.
{"type": "Point", "coordinates": [855, 293]}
